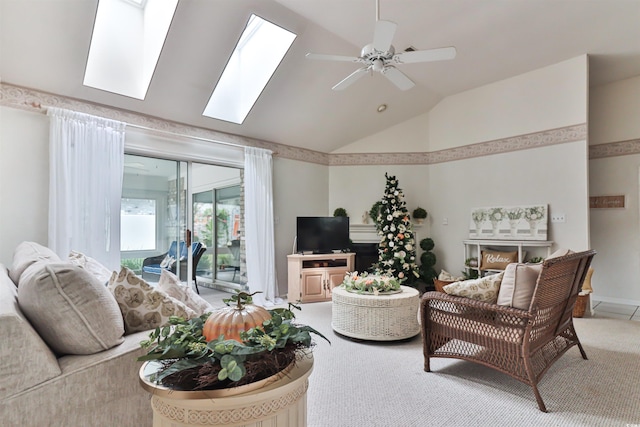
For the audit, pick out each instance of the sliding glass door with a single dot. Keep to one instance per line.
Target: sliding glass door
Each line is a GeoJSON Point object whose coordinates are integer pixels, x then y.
{"type": "Point", "coordinates": [181, 216]}
{"type": "Point", "coordinates": [154, 216]}
{"type": "Point", "coordinates": [217, 224]}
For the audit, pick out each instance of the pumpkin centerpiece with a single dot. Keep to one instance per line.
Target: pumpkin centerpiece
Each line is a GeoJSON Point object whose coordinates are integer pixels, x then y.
{"type": "Point", "coordinates": [232, 320]}
{"type": "Point", "coordinates": [235, 346]}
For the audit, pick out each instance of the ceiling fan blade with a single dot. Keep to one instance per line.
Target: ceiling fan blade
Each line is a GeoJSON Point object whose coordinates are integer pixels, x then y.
{"type": "Point", "coordinates": [324, 57]}
{"type": "Point", "coordinates": [398, 78]}
{"type": "Point", "coordinates": [383, 35]}
{"type": "Point", "coordinates": [440, 54]}
{"type": "Point", "coordinates": [351, 78]}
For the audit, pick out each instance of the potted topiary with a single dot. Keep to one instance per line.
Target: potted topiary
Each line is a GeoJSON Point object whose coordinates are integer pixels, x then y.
{"type": "Point", "coordinates": [428, 261]}
{"type": "Point", "coordinates": [340, 212]}
{"type": "Point", "coordinates": [419, 214]}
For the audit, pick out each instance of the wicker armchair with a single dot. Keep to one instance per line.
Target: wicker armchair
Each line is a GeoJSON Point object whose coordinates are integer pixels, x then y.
{"type": "Point", "coordinates": [520, 343]}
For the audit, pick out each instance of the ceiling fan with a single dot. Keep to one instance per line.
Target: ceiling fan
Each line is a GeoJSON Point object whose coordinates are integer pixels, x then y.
{"type": "Point", "coordinates": [380, 56]}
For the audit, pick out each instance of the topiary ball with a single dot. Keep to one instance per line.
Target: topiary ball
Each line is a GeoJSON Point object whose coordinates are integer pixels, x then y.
{"type": "Point", "coordinates": [428, 259]}
{"type": "Point", "coordinates": [427, 244]}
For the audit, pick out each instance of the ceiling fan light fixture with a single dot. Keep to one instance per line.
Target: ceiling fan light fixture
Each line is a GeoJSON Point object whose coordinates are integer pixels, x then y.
{"type": "Point", "coordinates": [378, 65]}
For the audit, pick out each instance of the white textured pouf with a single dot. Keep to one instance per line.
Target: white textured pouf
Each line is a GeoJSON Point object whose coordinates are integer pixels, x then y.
{"type": "Point", "coordinates": [378, 318]}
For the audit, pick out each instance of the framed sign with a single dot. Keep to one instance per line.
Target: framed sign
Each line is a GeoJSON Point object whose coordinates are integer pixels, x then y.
{"type": "Point", "coordinates": [606, 202]}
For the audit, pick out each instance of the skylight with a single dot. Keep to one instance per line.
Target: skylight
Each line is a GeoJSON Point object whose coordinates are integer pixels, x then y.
{"type": "Point", "coordinates": [253, 61]}
{"type": "Point", "coordinates": [127, 39]}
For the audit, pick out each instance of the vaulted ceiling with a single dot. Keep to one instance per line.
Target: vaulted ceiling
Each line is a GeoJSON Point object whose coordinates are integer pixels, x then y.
{"type": "Point", "coordinates": [44, 46]}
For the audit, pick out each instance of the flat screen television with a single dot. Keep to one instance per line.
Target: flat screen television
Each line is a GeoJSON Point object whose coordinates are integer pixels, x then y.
{"type": "Point", "coordinates": [322, 235]}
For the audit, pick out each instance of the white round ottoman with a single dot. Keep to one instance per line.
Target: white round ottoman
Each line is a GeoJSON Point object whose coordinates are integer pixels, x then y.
{"type": "Point", "coordinates": [377, 318]}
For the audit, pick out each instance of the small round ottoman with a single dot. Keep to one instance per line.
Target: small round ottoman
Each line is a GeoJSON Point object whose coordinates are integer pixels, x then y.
{"type": "Point", "coordinates": [378, 318]}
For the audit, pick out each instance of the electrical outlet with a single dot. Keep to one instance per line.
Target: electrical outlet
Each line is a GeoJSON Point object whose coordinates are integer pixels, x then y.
{"type": "Point", "coordinates": [559, 217]}
{"type": "Point", "coordinates": [445, 221]}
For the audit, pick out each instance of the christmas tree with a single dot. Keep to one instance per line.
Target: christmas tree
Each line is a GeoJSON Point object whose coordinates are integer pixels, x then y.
{"type": "Point", "coordinates": [396, 250]}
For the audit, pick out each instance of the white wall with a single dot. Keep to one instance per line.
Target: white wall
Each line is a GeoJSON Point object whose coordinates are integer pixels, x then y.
{"type": "Point", "coordinates": [542, 99]}
{"type": "Point", "coordinates": [614, 111]}
{"type": "Point", "coordinates": [299, 189]}
{"type": "Point", "coordinates": [547, 98]}
{"type": "Point", "coordinates": [540, 175]}
{"type": "Point", "coordinates": [615, 233]}
{"type": "Point", "coordinates": [24, 180]}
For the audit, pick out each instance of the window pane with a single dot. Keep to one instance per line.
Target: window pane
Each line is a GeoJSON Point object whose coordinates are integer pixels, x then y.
{"type": "Point", "coordinates": [138, 225]}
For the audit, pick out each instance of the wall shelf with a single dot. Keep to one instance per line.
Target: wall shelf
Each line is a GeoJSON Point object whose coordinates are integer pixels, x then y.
{"type": "Point", "coordinates": [473, 248]}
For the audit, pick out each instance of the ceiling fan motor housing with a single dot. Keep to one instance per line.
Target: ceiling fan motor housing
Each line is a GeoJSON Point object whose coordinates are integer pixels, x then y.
{"type": "Point", "coordinates": [370, 53]}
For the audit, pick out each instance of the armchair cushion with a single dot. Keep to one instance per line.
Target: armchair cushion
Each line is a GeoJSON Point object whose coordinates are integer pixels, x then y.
{"type": "Point", "coordinates": [142, 306]}
{"type": "Point", "coordinates": [518, 284]}
{"type": "Point", "coordinates": [481, 289]}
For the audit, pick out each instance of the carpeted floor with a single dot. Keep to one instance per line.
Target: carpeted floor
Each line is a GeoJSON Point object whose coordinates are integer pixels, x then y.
{"type": "Point", "coordinates": [357, 383]}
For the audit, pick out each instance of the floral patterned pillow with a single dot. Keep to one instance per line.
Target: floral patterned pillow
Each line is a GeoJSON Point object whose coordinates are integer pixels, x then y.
{"type": "Point", "coordinates": [142, 306]}
{"type": "Point", "coordinates": [482, 289]}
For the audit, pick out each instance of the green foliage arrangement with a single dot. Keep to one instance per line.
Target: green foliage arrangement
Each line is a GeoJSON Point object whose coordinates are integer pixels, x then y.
{"type": "Point", "coordinates": [189, 362]}
{"type": "Point", "coordinates": [396, 250]}
{"type": "Point", "coordinates": [364, 283]}
{"type": "Point", "coordinates": [340, 212]}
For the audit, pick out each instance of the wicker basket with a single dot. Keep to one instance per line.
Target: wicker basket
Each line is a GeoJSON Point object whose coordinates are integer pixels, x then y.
{"type": "Point", "coordinates": [581, 305]}
{"type": "Point", "coordinates": [439, 284]}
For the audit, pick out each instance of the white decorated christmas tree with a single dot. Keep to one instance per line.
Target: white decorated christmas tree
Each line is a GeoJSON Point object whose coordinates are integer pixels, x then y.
{"type": "Point", "coordinates": [397, 247]}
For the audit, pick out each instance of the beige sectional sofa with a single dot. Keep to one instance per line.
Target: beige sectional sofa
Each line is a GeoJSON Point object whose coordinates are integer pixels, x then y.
{"type": "Point", "coordinates": [42, 381]}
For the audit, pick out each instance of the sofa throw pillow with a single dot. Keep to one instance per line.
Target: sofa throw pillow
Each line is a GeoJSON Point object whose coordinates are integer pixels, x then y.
{"type": "Point", "coordinates": [495, 260]}
{"type": "Point", "coordinates": [482, 289]}
{"type": "Point", "coordinates": [142, 306]}
{"type": "Point", "coordinates": [170, 284]}
{"type": "Point", "coordinates": [92, 265]}
{"type": "Point", "coordinates": [28, 253]}
{"type": "Point", "coordinates": [518, 284]}
{"type": "Point", "coordinates": [72, 310]}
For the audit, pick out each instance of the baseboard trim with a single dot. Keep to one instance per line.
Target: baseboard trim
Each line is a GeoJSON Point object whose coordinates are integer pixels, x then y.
{"type": "Point", "coordinates": [620, 301]}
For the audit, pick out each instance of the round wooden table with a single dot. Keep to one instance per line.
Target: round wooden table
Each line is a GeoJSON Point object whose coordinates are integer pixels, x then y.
{"type": "Point", "coordinates": [281, 402]}
{"type": "Point", "coordinates": [378, 318]}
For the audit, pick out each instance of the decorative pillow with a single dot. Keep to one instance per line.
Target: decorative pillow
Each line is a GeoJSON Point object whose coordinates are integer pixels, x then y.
{"type": "Point", "coordinates": [494, 260]}
{"type": "Point", "coordinates": [446, 276]}
{"type": "Point", "coordinates": [28, 253]}
{"type": "Point", "coordinates": [482, 289]}
{"type": "Point", "coordinates": [70, 308]}
{"type": "Point", "coordinates": [170, 284]}
{"type": "Point", "coordinates": [92, 265]}
{"type": "Point", "coordinates": [518, 284]}
{"type": "Point", "coordinates": [167, 262]}
{"type": "Point", "coordinates": [142, 306]}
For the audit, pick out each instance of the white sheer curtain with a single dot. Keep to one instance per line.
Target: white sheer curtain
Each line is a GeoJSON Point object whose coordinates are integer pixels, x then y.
{"type": "Point", "coordinates": [258, 217]}
{"type": "Point", "coordinates": [86, 160]}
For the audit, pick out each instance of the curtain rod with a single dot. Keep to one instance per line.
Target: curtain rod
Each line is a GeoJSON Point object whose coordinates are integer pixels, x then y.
{"type": "Point", "coordinates": [45, 107]}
